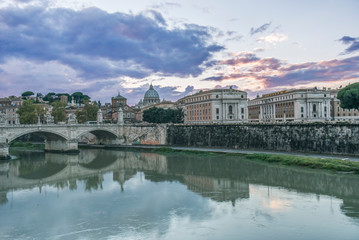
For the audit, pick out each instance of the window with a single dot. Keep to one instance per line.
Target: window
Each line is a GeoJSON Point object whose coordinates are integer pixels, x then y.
{"type": "Point", "coordinates": [216, 96]}
{"type": "Point", "coordinates": [302, 115]}
{"type": "Point", "coordinates": [230, 117]}
{"type": "Point", "coordinates": [241, 96]}
{"type": "Point", "coordinates": [230, 109]}
{"type": "Point", "coordinates": [325, 95]}
{"type": "Point", "coordinates": [217, 110]}
{"type": "Point", "coordinates": [325, 109]}
{"type": "Point", "coordinates": [302, 109]}
{"type": "Point", "coordinates": [217, 117]}
{"type": "Point", "coordinates": [314, 108]}
{"type": "Point", "coordinates": [242, 110]}
{"type": "Point", "coordinates": [315, 115]}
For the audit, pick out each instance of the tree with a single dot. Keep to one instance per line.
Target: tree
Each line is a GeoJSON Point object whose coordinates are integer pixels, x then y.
{"type": "Point", "coordinates": [40, 112]}
{"type": "Point", "coordinates": [160, 115]}
{"type": "Point", "coordinates": [27, 94]}
{"type": "Point", "coordinates": [50, 97]}
{"type": "Point", "coordinates": [27, 112]}
{"type": "Point", "coordinates": [88, 113]}
{"type": "Point", "coordinates": [349, 96]}
{"type": "Point", "coordinates": [58, 111]}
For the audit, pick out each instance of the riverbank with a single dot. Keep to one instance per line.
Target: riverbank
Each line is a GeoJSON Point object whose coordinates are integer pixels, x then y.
{"type": "Point", "coordinates": [341, 164]}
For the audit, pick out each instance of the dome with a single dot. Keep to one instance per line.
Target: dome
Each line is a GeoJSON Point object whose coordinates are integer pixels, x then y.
{"type": "Point", "coordinates": [151, 93]}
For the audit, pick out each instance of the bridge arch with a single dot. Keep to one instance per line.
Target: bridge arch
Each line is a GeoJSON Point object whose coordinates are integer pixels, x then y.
{"type": "Point", "coordinates": [104, 136]}
{"type": "Point", "coordinates": [45, 134]}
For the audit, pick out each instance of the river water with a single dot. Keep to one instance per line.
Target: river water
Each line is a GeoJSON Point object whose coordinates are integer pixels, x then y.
{"type": "Point", "coordinates": [104, 194]}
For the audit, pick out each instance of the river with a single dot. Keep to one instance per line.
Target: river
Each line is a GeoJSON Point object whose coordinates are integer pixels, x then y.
{"type": "Point", "coordinates": [105, 194]}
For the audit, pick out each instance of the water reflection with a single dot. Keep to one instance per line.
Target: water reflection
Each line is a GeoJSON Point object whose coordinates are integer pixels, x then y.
{"type": "Point", "coordinates": [220, 180]}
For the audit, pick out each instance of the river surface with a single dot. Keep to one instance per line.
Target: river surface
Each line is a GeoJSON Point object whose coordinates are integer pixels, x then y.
{"type": "Point", "coordinates": [105, 194]}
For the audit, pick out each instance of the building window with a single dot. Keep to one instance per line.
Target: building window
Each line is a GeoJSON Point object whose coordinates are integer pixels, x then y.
{"type": "Point", "coordinates": [325, 109]}
{"type": "Point", "coordinates": [314, 108]}
{"type": "Point", "coordinates": [216, 96]}
{"type": "Point", "coordinates": [217, 117]}
{"type": "Point", "coordinates": [217, 110]}
{"type": "Point", "coordinates": [302, 116]}
{"type": "Point", "coordinates": [302, 109]}
{"type": "Point", "coordinates": [242, 110]}
{"type": "Point", "coordinates": [230, 117]}
{"type": "Point", "coordinates": [315, 115]}
{"type": "Point", "coordinates": [241, 96]}
{"type": "Point", "coordinates": [230, 109]}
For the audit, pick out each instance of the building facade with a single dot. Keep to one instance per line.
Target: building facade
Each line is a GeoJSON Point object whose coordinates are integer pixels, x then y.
{"type": "Point", "coordinates": [215, 106]}
{"type": "Point", "coordinates": [129, 113]}
{"type": "Point", "coordinates": [291, 105]}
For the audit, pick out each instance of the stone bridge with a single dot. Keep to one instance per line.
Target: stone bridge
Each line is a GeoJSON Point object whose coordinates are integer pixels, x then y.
{"type": "Point", "coordinates": [65, 137]}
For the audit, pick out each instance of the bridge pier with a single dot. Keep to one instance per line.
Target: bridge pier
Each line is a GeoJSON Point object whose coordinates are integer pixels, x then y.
{"type": "Point", "coordinates": [68, 146]}
{"type": "Point", "coordinates": [4, 151]}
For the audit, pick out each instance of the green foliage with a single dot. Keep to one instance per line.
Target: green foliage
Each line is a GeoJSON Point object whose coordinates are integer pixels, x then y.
{"type": "Point", "coordinates": [40, 111]}
{"type": "Point", "coordinates": [160, 115]}
{"type": "Point", "coordinates": [27, 112]}
{"type": "Point", "coordinates": [50, 97]}
{"type": "Point", "coordinates": [322, 163]}
{"type": "Point", "coordinates": [349, 96]}
{"type": "Point", "coordinates": [79, 97]}
{"type": "Point", "coordinates": [58, 111]}
{"type": "Point", "coordinates": [27, 94]}
{"type": "Point", "coordinates": [88, 113]}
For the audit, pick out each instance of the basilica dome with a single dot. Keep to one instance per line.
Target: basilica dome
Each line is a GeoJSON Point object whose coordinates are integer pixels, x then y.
{"type": "Point", "coordinates": [151, 96]}
{"type": "Point", "coordinates": [151, 93]}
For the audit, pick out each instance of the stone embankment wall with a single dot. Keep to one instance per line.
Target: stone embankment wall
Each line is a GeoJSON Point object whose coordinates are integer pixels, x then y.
{"type": "Point", "coordinates": [331, 138]}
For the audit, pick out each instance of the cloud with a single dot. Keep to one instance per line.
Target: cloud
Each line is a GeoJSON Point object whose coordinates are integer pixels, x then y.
{"type": "Point", "coordinates": [260, 29]}
{"type": "Point", "coordinates": [101, 45]}
{"type": "Point", "coordinates": [273, 73]}
{"type": "Point", "coordinates": [273, 38]}
{"type": "Point", "coordinates": [354, 44]}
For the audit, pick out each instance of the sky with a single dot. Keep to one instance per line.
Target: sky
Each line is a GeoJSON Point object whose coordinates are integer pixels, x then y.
{"type": "Point", "coordinates": [103, 47]}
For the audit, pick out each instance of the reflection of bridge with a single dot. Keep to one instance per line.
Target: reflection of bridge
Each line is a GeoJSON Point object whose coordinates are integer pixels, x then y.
{"type": "Point", "coordinates": [88, 163]}
{"type": "Point", "coordinates": [64, 138]}
{"type": "Point", "coordinates": [225, 179]}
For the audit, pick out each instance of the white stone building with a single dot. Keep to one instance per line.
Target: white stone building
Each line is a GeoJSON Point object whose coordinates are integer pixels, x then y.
{"type": "Point", "coordinates": [215, 106]}
{"type": "Point", "coordinates": [291, 105]}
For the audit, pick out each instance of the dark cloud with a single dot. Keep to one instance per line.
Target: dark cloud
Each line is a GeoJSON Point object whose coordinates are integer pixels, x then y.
{"type": "Point", "coordinates": [354, 43]}
{"type": "Point", "coordinates": [260, 29]}
{"type": "Point", "coordinates": [101, 45]}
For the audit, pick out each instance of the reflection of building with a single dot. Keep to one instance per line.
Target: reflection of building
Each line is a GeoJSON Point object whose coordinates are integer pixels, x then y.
{"type": "Point", "coordinates": [218, 189]}
{"type": "Point", "coordinates": [340, 114]}
{"type": "Point", "coordinates": [215, 106]}
{"type": "Point", "coordinates": [291, 105]}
